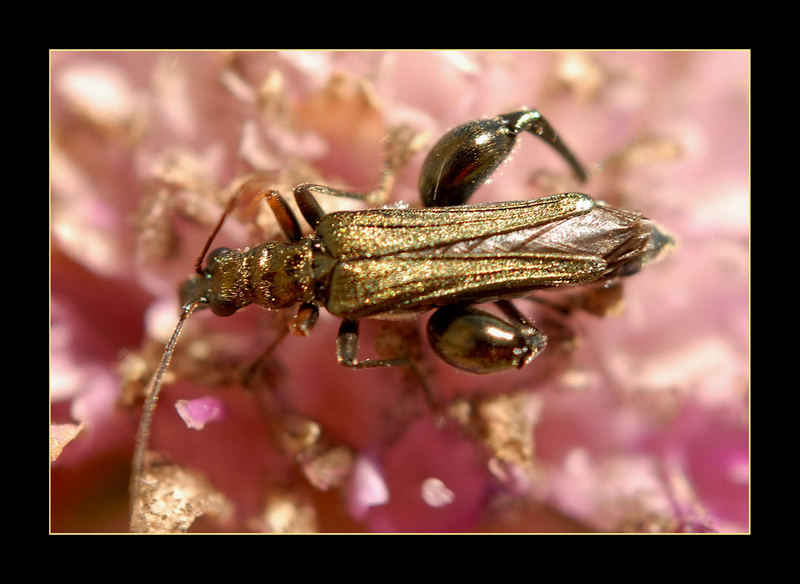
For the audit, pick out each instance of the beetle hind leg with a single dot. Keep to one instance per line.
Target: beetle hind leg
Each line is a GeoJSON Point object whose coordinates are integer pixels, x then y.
{"type": "Point", "coordinates": [464, 158]}
{"type": "Point", "coordinates": [479, 342]}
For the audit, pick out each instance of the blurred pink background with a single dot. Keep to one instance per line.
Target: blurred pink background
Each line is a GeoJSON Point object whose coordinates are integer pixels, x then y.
{"type": "Point", "coordinates": [640, 424]}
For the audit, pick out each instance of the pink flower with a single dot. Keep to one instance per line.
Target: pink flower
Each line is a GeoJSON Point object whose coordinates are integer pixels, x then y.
{"type": "Point", "coordinates": [631, 422]}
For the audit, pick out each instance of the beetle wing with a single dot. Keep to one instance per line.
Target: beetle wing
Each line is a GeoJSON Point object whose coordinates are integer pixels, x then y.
{"type": "Point", "coordinates": [392, 260]}
{"type": "Point", "coordinates": [364, 287]}
{"type": "Point", "coordinates": [384, 232]}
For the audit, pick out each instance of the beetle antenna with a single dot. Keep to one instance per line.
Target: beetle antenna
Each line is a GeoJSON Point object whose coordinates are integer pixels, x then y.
{"type": "Point", "coordinates": [143, 432]}
{"type": "Point", "coordinates": [255, 186]}
{"type": "Point", "coordinates": [198, 264]}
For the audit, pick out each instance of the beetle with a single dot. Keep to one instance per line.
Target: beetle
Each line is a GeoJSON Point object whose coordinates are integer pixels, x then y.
{"type": "Point", "coordinates": [447, 256]}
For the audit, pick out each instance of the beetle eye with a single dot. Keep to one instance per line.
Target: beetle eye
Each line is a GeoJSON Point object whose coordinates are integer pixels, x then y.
{"type": "Point", "coordinates": [221, 307]}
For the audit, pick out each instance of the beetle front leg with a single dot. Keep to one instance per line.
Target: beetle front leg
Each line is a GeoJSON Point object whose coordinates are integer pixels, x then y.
{"type": "Point", "coordinates": [305, 319]}
{"type": "Point", "coordinates": [467, 155]}
{"type": "Point", "coordinates": [300, 324]}
{"type": "Point", "coordinates": [400, 144]}
{"type": "Point", "coordinates": [260, 187]}
{"type": "Point", "coordinates": [480, 342]}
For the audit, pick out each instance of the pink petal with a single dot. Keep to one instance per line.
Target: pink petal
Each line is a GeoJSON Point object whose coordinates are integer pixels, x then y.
{"type": "Point", "coordinates": [198, 412]}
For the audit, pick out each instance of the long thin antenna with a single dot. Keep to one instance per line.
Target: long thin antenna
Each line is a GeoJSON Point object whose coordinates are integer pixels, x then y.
{"type": "Point", "coordinates": [143, 432]}
{"type": "Point", "coordinates": [198, 264]}
{"type": "Point", "coordinates": [256, 184]}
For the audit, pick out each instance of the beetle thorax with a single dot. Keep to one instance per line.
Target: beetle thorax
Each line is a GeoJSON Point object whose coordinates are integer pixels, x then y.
{"type": "Point", "coordinates": [281, 275]}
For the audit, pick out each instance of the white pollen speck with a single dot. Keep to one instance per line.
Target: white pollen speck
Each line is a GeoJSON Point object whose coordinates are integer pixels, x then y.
{"type": "Point", "coordinates": [435, 493]}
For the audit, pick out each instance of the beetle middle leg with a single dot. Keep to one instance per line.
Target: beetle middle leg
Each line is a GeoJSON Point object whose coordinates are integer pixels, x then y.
{"type": "Point", "coordinates": [348, 337]}
{"type": "Point", "coordinates": [347, 351]}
